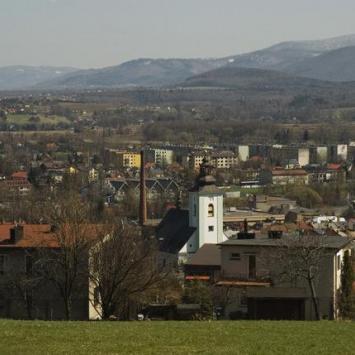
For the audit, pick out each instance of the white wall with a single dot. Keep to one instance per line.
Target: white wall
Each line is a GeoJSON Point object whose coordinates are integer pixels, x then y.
{"type": "Point", "coordinates": [342, 151]}
{"type": "Point", "coordinates": [243, 152]}
{"type": "Point", "coordinates": [322, 154]}
{"type": "Point", "coordinates": [303, 156]}
{"type": "Point", "coordinates": [199, 202]}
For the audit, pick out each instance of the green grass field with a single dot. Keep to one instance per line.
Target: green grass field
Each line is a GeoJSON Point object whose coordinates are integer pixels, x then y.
{"type": "Point", "coordinates": [25, 337]}
{"type": "Point", "coordinates": [22, 119]}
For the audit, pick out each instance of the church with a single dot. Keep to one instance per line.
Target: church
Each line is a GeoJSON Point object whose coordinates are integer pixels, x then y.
{"type": "Point", "coordinates": [184, 231]}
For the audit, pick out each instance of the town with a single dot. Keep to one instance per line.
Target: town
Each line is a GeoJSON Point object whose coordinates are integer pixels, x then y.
{"type": "Point", "coordinates": [198, 218]}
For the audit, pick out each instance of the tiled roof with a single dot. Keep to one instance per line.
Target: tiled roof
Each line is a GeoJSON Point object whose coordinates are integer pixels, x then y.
{"type": "Point", "coordinates": [37, 236]}
{"type": "Point", "coordinates": [19, 175]}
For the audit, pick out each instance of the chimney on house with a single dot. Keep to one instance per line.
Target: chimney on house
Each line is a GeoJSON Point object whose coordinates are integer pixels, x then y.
{"type": "Point", "coordinates": [16, 233]}
{"type": "Point", "coordinates": [245, 234]}
{"type": "Point", "coordinates": [245, 225]}
{"type": "Point", "coordinates": [143, 194]}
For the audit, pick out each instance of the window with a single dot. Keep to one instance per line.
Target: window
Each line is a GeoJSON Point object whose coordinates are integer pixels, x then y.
{"type": "Point", "coordinates": [210, 228]}
{"type": "Point", "coordinates": [338, 262]}
{"type": "Point", "coordinates": [210, 210]}
{"type": "Point", "coordinates": [252, 267]}
{"type": "Point", "coordinates": [234, 256]}
{"type": "Point", "coordinates": [2, 264]}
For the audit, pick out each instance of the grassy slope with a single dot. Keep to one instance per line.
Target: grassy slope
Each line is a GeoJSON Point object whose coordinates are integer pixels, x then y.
{"type": "Point", "coordinates": [177, 338]}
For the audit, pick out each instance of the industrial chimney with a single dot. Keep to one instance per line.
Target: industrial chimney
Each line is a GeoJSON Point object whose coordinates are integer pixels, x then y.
{"type": "Point", "coordinates": [143, 194]}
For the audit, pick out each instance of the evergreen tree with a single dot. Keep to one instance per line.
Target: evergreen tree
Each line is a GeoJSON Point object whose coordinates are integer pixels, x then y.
{"type": "Point", "coordinates": [345, 300]}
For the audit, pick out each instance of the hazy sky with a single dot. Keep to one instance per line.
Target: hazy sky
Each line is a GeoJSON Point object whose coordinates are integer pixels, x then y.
{"type": "Point", "coordinates": [96, 33]}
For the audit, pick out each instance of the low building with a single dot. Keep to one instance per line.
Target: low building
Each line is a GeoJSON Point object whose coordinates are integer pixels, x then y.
{"type": "Point", "coordinates": [248, 266]}
{"type": "Point", "coordinates": [325, 174]}
{"type": "Point", "coordinates": [24, 293]}
{"type": "Point", "coordinates": [120, 188]}
{"type": "Point", "coordinates": [280, 176]}
{"type": "Point", "coordinates": [18, 182]}
{"type": "Point", "coordinates": [224, 160]}
{"type": "Point", "coordinates": [205, 265]}
{"type": "Point", "coordinates": [266, 203]}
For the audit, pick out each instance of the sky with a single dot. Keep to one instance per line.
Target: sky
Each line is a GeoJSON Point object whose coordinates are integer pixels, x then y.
{"type": "Point", "coordinates": [99, 33]}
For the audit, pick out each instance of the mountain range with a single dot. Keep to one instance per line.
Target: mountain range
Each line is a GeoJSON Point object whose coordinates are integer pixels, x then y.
{"type": "Point", "coordinates": [23, 77]}
{"type": "Point", "coordinates": [326, 60]}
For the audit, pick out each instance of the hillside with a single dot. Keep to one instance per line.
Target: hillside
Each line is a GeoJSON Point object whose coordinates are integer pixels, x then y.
{"type": "Point", "coordinates": [24, 77]}
{"type": "Point", "coordinates": [287, 54]}
{"type": "Point", "coordinates": [140, 72]}
{"type": "Point", "coordinates": [256, 80]}
{"type": "Point", "coordinates": [336, 65]}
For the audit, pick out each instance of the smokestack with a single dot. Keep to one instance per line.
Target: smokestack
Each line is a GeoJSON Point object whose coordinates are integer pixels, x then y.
{"type": "Point", "coordinates": [143, 195]}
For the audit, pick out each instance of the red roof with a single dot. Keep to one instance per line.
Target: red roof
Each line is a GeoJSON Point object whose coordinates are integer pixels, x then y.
{"type": "Point", "coordinates": [256, 158]}
{"type": "Point", "coordinates": [20, 175]}
{"type": "Point", "coordinates": [37, 236]}
{"type": "Point", "coordinates": [34, 235]}
{"type": "Point", "coordinates": [333, 166]}
{"type": "Point", "coordinates": [288, 172]}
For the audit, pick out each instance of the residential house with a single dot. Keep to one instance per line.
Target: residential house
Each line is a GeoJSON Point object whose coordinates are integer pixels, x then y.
{"type": "Point", "coordinates": [24, 293]}
{"type": "Point", "coordinates": [280, 176]}
{"type": "Point", "coordinates": [18, 182]}
{"type": "Point", "coordinates": [119, 188]}
{"type": "Point", "coordinates": [260, 292]}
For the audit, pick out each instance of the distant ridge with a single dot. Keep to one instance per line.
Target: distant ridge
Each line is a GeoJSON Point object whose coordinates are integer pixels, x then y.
{"type": "Point", "coordinates": [19, 77]}
{"type": "Point", "coordinates": [335, 65]}
{"type": "Point", "coordinates": [144, 72]}
{"type": "Point", "coordinates": [327, 59]}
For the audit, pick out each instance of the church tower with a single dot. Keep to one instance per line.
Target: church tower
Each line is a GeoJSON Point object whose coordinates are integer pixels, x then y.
{"type": "Point", "coordinates": [205, 210]}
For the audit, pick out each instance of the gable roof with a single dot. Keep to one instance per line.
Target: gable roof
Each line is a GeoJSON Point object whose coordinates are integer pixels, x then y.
{"type": "Point", "coordinates": [118, 184]}
{"type": "Point", "coordinates": [174, 231]}
{"type": "Point", "coordinates": [208, 254]}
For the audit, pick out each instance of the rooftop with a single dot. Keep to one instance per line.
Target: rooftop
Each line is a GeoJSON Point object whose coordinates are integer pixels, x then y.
{"type": "Point", "coordinates": [329, 242]}
{"type": "Point", "coordinates": [208, 254]}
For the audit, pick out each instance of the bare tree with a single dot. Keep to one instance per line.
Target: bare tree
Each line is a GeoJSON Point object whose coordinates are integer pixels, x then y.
{"type": "Point", "coordinates": [123, 265]}
{"type": "Point", "coordinates": [298, 258]}
{"type": "Point", "coordinates": [65, 262]}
